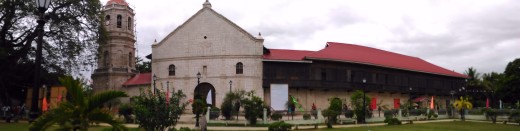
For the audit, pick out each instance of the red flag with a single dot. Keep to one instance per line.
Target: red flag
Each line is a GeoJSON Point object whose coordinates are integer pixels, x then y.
{"type": "Point", "coordinates": [44, 104]}
{"type": "Point", "coordinates": [487, 102]}
{"type": "Point", "coordinates": [431, 104]}
{"type": "Point", "coordinates": [167, 96]}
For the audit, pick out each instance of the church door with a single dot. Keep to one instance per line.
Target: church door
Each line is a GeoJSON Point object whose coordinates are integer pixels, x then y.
{"type": "Point", "coordinates": [201, 92]}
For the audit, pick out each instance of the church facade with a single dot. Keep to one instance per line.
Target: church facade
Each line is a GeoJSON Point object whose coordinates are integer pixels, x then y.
{"type": "Point", "coordinates": [208, 54]}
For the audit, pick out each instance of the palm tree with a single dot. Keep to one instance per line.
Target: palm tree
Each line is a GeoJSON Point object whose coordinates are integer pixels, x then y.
{"type": "Point", "coordinates": [80, 110]}
{"type": "Point", "coordinates": [461, 105]}
{"type": "Point", "coordinates": [474, 80]}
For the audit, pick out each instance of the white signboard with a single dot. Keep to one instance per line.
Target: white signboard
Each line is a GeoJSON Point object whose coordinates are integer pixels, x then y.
{"type": "Point", "coordinates": [279, 96]}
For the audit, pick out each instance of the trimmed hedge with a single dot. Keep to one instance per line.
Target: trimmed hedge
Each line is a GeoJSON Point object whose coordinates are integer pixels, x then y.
{"type": "Point", "coordinates": [279, 126]}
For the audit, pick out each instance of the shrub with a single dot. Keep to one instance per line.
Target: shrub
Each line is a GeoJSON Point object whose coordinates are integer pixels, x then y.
{"type": "Point", "coordinates": [306, 116]}
{"type": "Point", "coordinates": [349, 113]}
{"type": "Point", "coordinates": [214, 113]}
{"type": "Point", "coordinates": [335, 106]}
{"type": "Point", "coordinates": [227, 108]}
{"type": "Point", "coordinates": [432, 114]}
{"type": "Point", "coordinates": [330, 114]}
{"type": "Point", "coordinates": [152, 112]}
{"type": "Point", "coordinates": [388, 113]}
{"type": "Point", "coordinates": [357, 104]}
{"type": "Point", "coordinates": [276, 116]}
{"type": "Point", "coordinates": [126, 111]}
{"type": "Point", "coordinates": [253, 107]}
{"type": "Point", "coordinates": [491, 114]}
{"type": "Point", "coordinates": [229, 104]}
{"type": "Point", "coordinates": [515, 117]}
{"type": "Point", "coordinates": [280, 126]}
{"type": "Point", "coordinates": [392, 121]}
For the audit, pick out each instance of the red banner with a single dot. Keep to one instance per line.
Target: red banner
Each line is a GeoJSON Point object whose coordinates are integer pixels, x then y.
{"type": "Point", "coordinates": [397, 103]}
{"type": "Point", "coordinates": [373, 104]}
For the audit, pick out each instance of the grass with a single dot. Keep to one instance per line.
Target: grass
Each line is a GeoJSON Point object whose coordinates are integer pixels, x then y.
{"type": "Point", "coordinates": [25, 127]}
{"type": "Point", "coordinates": [435, 126]}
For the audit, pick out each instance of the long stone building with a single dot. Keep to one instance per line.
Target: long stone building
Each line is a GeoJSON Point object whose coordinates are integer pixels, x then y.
{"type": "Point", "coordinates": [209, 55]}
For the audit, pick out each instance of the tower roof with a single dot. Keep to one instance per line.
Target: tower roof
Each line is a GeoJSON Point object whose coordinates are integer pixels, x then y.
{"type": "Point", "coordinates": [120, 2]}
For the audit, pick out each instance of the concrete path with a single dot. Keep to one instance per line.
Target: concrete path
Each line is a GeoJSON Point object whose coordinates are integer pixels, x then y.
{"type": "Point", "coordinates": [237, 128]}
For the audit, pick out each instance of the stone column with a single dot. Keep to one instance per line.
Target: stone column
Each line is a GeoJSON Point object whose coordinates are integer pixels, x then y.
{"type": "Point", "coordinates": [207, 113]}
{"type": "Point", "coordinates": [264, 118]}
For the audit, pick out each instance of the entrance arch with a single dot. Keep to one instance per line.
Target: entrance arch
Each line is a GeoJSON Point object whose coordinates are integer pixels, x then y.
{"type": "Point", "coordinates": [202, 90]}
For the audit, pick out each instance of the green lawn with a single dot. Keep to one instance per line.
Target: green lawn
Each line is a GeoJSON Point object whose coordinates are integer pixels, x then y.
{"type": "Point", "coordinates": [25, 127]}
{"type": "Point", "coordinates": [436, 126]}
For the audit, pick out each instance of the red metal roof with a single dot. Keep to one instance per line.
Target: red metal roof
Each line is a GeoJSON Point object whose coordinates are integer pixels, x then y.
{"type": "Point", "coordinates": [290, 55]}
{"type": "Point", "coordinates": [362, 55]}
{"type": "Point", "coordinates": [139, 79]}
{"type": "Point", "coordinates": [121, 2]}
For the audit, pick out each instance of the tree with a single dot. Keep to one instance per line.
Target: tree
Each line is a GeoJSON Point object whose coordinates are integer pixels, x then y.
{"type": "Point", "coordinates": [512, 83]}
{"type": "Point", "coordinates": [253, 107]}
{"type": "Point", "coordinates": [229, 104]}
{"type": "Point", "coordinates": [80, 110]}
{"type": "Point", "coordinates": [143, 66]}
{"type": "Point", "coordinates": [357, 103]}
{"type": "Point", "coordinates": [461, 105]}
{"type": "Point", "coordinates": [474, 81]}
{"type": "Point", "coordinates": [72, 35]}
{"type": "Point", "coordinates": [154, 113]}
{"type": "Point", "coordinates": [198, 107]}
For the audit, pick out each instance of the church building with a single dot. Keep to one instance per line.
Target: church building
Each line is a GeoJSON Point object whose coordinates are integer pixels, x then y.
{"type": "Point", "coordinates": [209, 55]}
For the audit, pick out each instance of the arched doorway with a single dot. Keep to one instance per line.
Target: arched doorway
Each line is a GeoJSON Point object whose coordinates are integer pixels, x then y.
{"type": "Point", "coordinates": [202, 90]}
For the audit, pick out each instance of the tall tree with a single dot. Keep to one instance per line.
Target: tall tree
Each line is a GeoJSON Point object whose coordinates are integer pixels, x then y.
{"type": "Point", "coordinates": [71, 37]}
{"type": "Point", "coordinates": [474, 81]}
{"type": "Point", "coordinates": [142, 66]}
{"type": "Point", "coordinates": [512, 84]}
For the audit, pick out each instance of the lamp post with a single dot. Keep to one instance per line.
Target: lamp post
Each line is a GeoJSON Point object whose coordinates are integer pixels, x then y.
{"type": "Point", "coordinates": [364, 97]}
{"type": "Point", "coordinates": [230, 83]}
{"type": "Point", "coordinates": [154, 79]}
{"type": "Point", "coordinates": [42, 6]}
{"type": "Point", "coordinates": [198, 78]}
{"type": "Point", "coordinates": [167, 87]}
{"type": "Point", "coordinates": [198, 93]}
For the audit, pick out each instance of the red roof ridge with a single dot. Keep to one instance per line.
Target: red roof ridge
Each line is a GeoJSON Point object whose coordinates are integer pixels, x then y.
{"type": "Point", "coordinates": [336, 51]}
{"type": "Point", "coordinates": [373, 49]}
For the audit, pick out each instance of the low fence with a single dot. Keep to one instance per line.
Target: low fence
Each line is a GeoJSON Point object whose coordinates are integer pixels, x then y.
{"type": "Point", "coordinates": [375, 116]}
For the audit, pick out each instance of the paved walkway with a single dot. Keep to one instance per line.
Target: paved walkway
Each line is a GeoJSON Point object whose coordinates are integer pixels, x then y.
{"type": "Point", "coordinates": [237, 128]}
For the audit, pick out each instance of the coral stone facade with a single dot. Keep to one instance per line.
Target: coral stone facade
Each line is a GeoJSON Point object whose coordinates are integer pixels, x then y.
{"type": "Point", "coordinates": [209, 44]}
{"type": "Point", "coordinates": [116, 61]}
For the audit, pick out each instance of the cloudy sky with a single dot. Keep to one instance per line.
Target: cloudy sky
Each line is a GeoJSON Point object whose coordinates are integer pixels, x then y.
{"type": "Point", "coordinates": [484, 34]}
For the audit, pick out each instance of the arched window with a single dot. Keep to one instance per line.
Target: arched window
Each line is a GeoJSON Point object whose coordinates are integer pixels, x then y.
{"type": "Point", "coordinates": [129, 23]}
{"type": "Point", "coordinates": [107, 19]}
{"type": "Point", "coordinates": [119, 19]}
{"type": "Point", "coordinates": [171, 70]}
{"type": "Point", "coordinates": [240, 68]}
{"type": "Point", "coordinates": [106, 59]}
{"type": "Point", "coordinates": [130, 59]}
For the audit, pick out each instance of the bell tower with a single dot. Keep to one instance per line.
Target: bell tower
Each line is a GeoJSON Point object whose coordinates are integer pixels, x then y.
{"type": "Point", "coordinates": [116, 59]}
